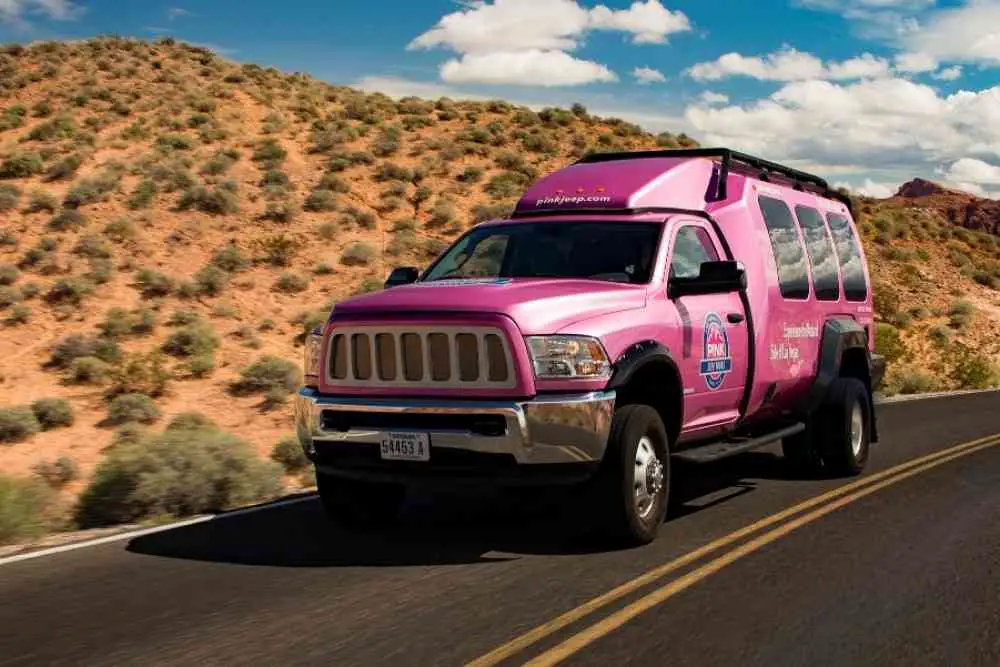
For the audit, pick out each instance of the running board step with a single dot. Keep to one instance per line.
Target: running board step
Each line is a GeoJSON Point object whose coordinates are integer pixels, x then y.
{"type": "Point", "coordinates": [721, 450]}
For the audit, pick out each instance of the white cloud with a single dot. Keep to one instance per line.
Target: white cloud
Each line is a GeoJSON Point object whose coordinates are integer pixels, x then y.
{"type": "Point", "coordinates": [177, 12]}
{"type": "Point", "coordinates": [915, 63]}
{"type": "Point", "coordinates": [533, 67]}
{"type": "Point", "coordinates": [896, 128]}
{"type": "Point", "coordinates": [971, 170]}
{"type": "Point", "coordinates": [964, 34]}
{"type": "Point", "coordinates": [875, 19]}
{"type": "Point", "coordinates": [646, 75]}
{"type": "Point", "coordinates": [16, 11]}
{"type": "Point", "coordinates": [788, 64]}
{"type": "Point", "coordinates": [649, 22]}
{"type": "Point", "coordinates": [870, 188]}
{"type": "Point", "coordinates": [526, 35]}
{"type": "Point", "coordinates": [948, 74]}
{"type": "Point", "coordinates": [712, 98]}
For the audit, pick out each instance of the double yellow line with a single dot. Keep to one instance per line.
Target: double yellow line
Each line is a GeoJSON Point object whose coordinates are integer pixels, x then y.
{"type": "Point", "coordinates": [824, 504]}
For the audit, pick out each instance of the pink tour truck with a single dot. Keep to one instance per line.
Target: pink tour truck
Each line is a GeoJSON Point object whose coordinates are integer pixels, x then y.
{"type": "Point", "coordinates": [635, 308]}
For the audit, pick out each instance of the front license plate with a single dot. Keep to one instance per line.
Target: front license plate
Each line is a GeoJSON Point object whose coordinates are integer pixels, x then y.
{"type": "Point", "coordinates": [406, 447]}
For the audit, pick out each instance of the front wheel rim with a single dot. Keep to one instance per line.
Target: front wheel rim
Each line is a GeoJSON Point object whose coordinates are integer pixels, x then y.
{"type": "Point", "coordinates": [647, 477]}
{"type": "Point", "coordinates": [857, 429]}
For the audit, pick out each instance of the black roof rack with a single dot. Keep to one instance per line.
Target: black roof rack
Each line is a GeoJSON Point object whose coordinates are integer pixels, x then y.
{"type": "Point", "coordinates": [727, 158]}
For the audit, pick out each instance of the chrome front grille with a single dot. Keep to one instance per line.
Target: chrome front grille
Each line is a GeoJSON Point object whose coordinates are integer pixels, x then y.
{"type": "Point", "coordinates": [441, 357]}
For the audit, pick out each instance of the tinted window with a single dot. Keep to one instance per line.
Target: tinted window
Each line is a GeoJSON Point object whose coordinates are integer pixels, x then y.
{"type": "Point", "coordinates": [787, 248]}
{"type": "Point", "coordinates": [692, 247]}
{"type": "Point", "coordinates": [849, 254]}
{"type": "Point", "coordinates": [822, 259]}
{"type": "Point", "coordinates": [616, 251]}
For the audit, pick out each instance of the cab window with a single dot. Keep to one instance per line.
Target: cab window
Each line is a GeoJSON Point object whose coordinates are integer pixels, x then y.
{"type": "Point", "coordinates": [822, 259]}
{"type": "Point", "coordinates": [692, 247]}
{"type": "Point", "coordinates": [793, 278]}
{"type": "Point", "coordinates": [849, 254]}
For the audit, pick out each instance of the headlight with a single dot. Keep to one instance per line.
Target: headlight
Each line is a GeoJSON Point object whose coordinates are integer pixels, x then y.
{"type": "Point", "coordinates": [313, 346]}
{"type": "Point", "coordinates": [560, 357]}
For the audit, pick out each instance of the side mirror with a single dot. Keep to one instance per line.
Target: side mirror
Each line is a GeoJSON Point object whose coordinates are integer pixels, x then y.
{"type": "Point", "coordinates": [403, 275]}
{"type": "Point", "coordinates": [713, 278]}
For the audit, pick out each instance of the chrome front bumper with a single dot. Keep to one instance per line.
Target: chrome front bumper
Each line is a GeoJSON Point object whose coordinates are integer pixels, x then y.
{"type": "Point", "coordinates": [563, 429]}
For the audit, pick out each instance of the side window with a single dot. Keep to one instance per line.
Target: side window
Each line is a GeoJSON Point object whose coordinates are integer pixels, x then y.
{"type": "Point", "coordinates": [849, 254]}
{"type": "Point", "coordinates": [787, 248]}
{"type": "Point", "coordinates": [822, 260]}
{"type": "Point", "coordinates": [692, 247]}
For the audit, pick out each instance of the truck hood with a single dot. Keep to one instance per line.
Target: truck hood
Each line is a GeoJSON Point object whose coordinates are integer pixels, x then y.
{"type": "Point", "coordinates": [537, 305]}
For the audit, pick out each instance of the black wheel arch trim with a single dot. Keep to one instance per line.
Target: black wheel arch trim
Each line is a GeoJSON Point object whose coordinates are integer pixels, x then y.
{"type": "Point", "coordinates": [839, 336]}
{"type": "Point", "coordinates": [639, 356]}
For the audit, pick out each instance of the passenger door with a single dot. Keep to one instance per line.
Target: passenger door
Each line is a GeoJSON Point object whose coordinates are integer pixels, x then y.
{"type": "Point", "coordinates": [714, 344]}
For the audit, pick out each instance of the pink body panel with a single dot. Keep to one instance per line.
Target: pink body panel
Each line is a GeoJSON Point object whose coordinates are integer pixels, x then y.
{"type": "Point", "coordinates": [713, 357]}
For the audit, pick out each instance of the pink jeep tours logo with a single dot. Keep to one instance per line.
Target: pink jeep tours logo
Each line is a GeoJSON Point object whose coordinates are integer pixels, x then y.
{"type": "Point", "coordinates": [716, 363]}
{"type": "Point", "coordinates": [581, 197]}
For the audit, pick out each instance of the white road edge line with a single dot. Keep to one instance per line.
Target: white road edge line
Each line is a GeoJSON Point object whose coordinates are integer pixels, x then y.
{"type": "Point", "coordinates": [906, 398]}
{"type": "Point", "coordinates": [51, 551]}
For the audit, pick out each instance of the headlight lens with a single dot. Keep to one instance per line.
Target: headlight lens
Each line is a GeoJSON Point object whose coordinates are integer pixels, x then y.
{"type": "Point", "coordinates": [313, 346]}
{"type": "Point", "coordinates": [562, 357]}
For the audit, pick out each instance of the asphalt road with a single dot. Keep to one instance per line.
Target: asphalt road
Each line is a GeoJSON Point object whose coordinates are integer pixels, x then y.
{"type": "Point", "coordinates": [908, 575]}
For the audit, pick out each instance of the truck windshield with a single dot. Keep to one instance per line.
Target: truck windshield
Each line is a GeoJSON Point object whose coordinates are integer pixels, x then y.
{"type": "Point", "coordinates": [616, 251]}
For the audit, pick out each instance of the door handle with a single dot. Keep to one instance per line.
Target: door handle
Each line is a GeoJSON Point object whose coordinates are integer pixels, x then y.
{"type": "Point", "coordinates": [735, 318]}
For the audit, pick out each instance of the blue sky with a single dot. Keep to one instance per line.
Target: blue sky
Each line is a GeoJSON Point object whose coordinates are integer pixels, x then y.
{"type": "Point", "coordinates": [868, 92]}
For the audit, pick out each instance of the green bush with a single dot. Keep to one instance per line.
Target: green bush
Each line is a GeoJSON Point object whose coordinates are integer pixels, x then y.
{"type": "Point", "coordinates": [68, 291]}
{"type": "Point", "coordinates": [217, 201]}
{"type": "Point", "coordinates": [288, 452]}
{"type": "Point", "coordinates": [320, 200]}
{"type": "Point", "coordinates": [66, 220]}
{"type": "Point", "coordinates": [119, 322]}
{"type": "Point", "coordinates": [61, 127]}
{"type": "Point", "coordinates": [177, 473]}
{"type": "Point", "coordinates": [153, 283]}
{"type": "Point", "coordinates": [88, 370]}
{"type": "Point", "coordinates": [282, 212]}
{"type": "Point", "coordinates": [64, 168]}
{"type": "Point", "coordinates": [190, 421]}
{"type": "Point", "coordinates": [10, 195]}
{"type": "Point", "coordinates": [52, 413]}
{"type": "Point", "coordinates": [358, 254]}
{"type": "Point", "coordinates": [8, 274]}
{"type": "Point", "coordinates": [201, 365]}
{"type": "Point", "coordinates": [193, 340]}
{"type": "Point", "coordinates": [974, 370]}
{"type": "Point", "coordinates": [139, 374]}
{"type": "Point", "coordinates": [19, 314]}
{"type": "Point", "coordinates": [41, 201]}
{"type": "Point", "coordinates": [143, 194]}
{"type": "Point", "coordinates": [291, 283]}
{"type": "Point", "coordinates": [92, 189]}
{"type": "Point", "coordinates": [58, 473]}
{"type": "Point", "coordinates": [912, 381]}
{"type": "Point", "coordinates": [888, 343]}
{"type": "Point", "coordinates": [210, 280]}
{"type": "Point", "coordinates": [17, 423]}
{"type": "Point", "coordinates": [92, 246]}
{"type": "Point", "coordinates": [132, 408]}
{"type": "Point", "coordinates": [507, 184]}
{"type": "Point", "coordinates": [960, 314]}
{"type": "Point", "coordinates": [174, 141]}
{"type": "Point", "coordinates": [333, 183]}
{"type": "Point", "coordinates": [230, 259]}
{"type": "Point", "coordinates": [76, 346]}
{"type": "Point", "coordinates": [269, 373]}
{"type": "Point", "coordinates": [24, 509]}
{"type": "Point", "coordinates": [9, 296]}
{"type": "Point", "coordinates": [21, 165]}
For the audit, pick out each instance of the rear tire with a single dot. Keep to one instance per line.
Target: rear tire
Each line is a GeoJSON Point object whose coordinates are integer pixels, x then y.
{"type": "Point", "coordinates": [633, 486]}
{"type": "Point", "coordinates": [357, 504]}
{"type": "Point", "coordinates": [845, 427]}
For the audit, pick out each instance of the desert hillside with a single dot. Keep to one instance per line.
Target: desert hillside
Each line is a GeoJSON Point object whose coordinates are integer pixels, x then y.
{"type": "Point", "coordinates": [171, 223]}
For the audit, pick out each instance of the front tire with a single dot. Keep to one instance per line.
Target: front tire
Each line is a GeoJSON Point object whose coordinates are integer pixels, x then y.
{"type": "Point", "coordinates": [359, 505]}
{"type": "Point", "coordinates": [633, 486]}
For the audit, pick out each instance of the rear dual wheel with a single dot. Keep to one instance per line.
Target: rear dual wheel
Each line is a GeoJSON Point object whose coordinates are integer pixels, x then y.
{"type": "Point", "coordinates": [838, 435]}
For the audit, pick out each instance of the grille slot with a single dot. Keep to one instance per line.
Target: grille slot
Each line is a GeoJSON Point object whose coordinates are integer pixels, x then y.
{"type": "Point", "coordinates": [443, 357]}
